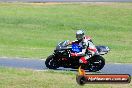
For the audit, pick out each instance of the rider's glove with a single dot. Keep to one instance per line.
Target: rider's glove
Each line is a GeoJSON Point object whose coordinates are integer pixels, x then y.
{"type": "Point", "coordinates": [74, 54]}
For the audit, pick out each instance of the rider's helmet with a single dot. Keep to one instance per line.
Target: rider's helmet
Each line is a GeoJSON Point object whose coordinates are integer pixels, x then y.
{"type": "Point", "coordinates": [80, 35]}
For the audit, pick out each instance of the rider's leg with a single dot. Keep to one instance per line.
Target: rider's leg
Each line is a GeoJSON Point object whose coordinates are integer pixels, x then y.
{"type": "Point", "coordinates": [84, 59]}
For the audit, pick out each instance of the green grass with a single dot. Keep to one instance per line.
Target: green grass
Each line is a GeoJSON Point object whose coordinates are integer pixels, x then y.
{"type": "Point", "coordinates": [16, 78]}
{"type": "Point", "coordinates": [32, 31]}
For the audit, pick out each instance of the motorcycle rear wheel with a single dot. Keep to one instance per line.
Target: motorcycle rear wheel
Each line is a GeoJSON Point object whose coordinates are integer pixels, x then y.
{"type": "Point", "coordinates": [96, 63]}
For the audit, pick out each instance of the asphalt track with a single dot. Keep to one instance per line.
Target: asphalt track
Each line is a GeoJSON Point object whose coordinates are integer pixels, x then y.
{"type": "Point", "coordinates": [36, 64]}
{"type": "Point", "coordinates": [65, 0]}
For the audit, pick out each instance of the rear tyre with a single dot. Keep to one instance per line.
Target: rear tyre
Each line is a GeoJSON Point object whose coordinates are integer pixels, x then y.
{"type": "Point", "coordinates": [51, 63]}
{"type": "Point", "coordinates": [96, 63]}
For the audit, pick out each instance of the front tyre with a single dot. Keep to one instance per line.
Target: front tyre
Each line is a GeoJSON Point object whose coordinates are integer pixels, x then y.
{"type": "Point", "coordinates": [51, 63]}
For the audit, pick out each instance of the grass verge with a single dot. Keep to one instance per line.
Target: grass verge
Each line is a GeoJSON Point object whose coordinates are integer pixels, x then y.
{"type": "Point", "coordinates": [32, 30]}
{"type": "Point", "coordinates": [16, 78]}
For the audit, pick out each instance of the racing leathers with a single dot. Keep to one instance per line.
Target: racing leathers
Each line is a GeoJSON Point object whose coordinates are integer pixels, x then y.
{"type": "Point", "coordinates": [88, 49]}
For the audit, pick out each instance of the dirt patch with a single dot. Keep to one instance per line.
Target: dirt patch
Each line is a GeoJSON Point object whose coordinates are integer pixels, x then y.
{"type": "Point", "coordinates": [99, 3]}
{"type": "Point", "coordinates": [47, 3]}
{"type": "Point", "coordinates": [90, 3]}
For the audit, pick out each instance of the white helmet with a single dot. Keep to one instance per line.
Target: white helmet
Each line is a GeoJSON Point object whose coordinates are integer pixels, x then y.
{"type": "Point", "coordinates": [80, 34]}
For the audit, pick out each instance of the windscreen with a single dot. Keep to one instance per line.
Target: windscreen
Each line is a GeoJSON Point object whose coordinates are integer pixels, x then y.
{"type": "Point", "coordinates": [61, 45]}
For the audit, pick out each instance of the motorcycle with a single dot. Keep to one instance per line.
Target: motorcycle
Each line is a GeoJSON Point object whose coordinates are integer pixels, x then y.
{"type": "Point", "coordinates": [62, 58]}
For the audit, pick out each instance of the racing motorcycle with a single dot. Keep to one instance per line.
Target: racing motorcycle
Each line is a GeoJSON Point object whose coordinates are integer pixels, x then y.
{"type": "Point", "coordinates": [62, 58]}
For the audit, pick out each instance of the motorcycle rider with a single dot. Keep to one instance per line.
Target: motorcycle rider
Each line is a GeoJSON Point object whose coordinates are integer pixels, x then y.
{"type": "Point", "coordinates": [87, 46]}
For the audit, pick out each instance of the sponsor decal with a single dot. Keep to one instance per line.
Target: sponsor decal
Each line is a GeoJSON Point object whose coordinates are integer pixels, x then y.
{"type": "Point", "coordinates": [83, 78]}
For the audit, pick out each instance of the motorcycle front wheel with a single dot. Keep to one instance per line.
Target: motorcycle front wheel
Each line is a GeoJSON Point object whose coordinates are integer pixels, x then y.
{"type": "Point", "coordinates": [51, 63]}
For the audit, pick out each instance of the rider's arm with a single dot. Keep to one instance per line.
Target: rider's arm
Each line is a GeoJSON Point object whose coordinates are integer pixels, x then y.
{"type": "Point", "coordinates": [92, 48]}
{"type": "Point", "coordinates": [82, 53]}
{"type": "Point", "coordinates": [71, 42]}
{"type": "Point", "coordinates": [88, 44]}
{"type": "Point", "coordinates": [84, 48]}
